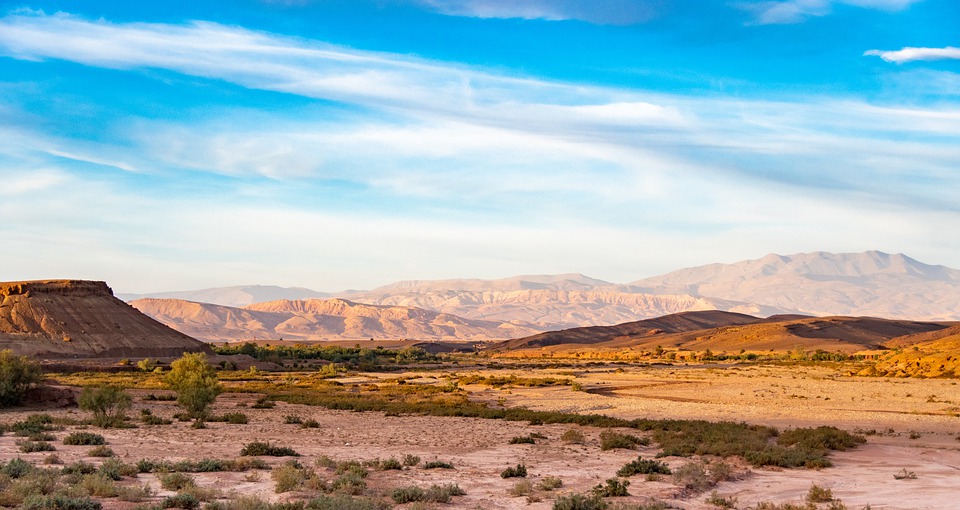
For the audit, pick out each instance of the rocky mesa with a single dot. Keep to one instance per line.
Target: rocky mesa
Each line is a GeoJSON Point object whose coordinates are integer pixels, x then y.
{"type": "Point", "coordinates": [81, 319]}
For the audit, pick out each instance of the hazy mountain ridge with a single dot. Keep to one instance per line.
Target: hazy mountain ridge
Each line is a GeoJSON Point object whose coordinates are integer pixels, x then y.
{"type": "Point", "coordinates": [237, 296]}
{"type": "Point", "coordinates": [823, 284]}
{"type": "Point", "coordinates": [870, 283]}
{"type": "Point", "coordinates": [320, 319]}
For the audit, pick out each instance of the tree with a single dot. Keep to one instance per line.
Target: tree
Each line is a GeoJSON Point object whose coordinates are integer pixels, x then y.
{"type": "Point", "coordinates": [17, 375]}
{"type": "Point", "coordinates": [108, 404]}
{"type": "Point", "coordinates": [195, 382]}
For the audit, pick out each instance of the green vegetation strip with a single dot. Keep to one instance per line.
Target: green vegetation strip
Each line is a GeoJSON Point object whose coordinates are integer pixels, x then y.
{"type": "Point", "coordinates": [796, 448]}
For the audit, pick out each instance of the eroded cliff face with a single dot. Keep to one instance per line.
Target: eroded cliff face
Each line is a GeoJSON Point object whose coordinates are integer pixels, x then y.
{"type": "Point", "coordinates": [81, 319]}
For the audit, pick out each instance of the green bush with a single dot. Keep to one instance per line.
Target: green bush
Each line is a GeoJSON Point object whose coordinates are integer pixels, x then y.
{"type": "Point", "coordinates": [84, 439]}
{"type": "Point", "coordinates": [310, 424]}
{"type": "Point", "coordinates": [288, 478]}
{"type": "Point", "coordinates": [818, 494]}
{"type": "Point", "coordinates": [579, 502]}
{"type": "Point", "coordinates": [258, 448]}
{"type": "Point", "coordinates": [390, 464]}
{"type": "Point", "coordinates": [407, 494]}
{"type": "Point", "coordinates": [613, 488]}
{"type": "Point", "coordinates": [184, 501]}
{"type": "Point", "coordinates": [550, 483]}
{"type": "Point", "coordinates": [175, 481]}
{"type": "Point", "coordinates": [410, 460]}
{"type": "Point", "coordinates": [98, 485]}
{"type": "Point", "coordinates": [195, 382]}
{"type": "Point", "coordinates": [17, 375]}
{"type": "Point", "coordinates": [36, 446]}
{"type": "Point", "coordinates": [236, 418]}
{"type": "Point", "coordinates": [820, 438]}
{"type": "Point", "coordinates": [610, 440]}
{"type": "Point", "coordinates": [522, 440]}
{"type": "Point", "coordinates": [292, 419]}
{"type": "Point", "coordinates": [60, 502]}
{"type": "Point", "coordinates": [100, 451]}
{"type": "Point", "coordinates": [344, 502]}
{"type": "Point", "coordinates": [16, 468]}
{"type": "Point", "coordinates": [442, 493]}
{"type": "Point", "coordinates": [109, 405]}
{"type": "Point", "coordinates": [514, 472]}
{"type": "Point", "coordinates": [572, 436]}
{"type": "Point", "coordinates": [643, 467]}
{"type": "Point", "coordinates": [437, 464]}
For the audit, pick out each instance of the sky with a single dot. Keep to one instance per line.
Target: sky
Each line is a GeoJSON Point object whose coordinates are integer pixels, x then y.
{"type": "Point", "coordinates": [347, 144]}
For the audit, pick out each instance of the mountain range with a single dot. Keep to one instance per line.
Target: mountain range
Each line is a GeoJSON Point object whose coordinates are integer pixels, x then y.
{"type": "Point", "coordinates": [820, 284]}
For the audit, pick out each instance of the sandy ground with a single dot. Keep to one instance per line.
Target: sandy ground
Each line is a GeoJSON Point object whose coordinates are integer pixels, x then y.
{"type": "Point", "coordinates": [478, 449]}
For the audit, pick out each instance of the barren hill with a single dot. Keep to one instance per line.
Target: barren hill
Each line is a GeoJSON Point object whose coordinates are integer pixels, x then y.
{"type": "Point", "coordinates": [726, 332]}
{"type": "Point", "coordinates": [674, 323]}
{"type": "Point", "coordinates": [240, 295]}
{"type": "Point", "coordinates": [319, 319]}
{"type": "Point", "coordinates": [80, 319]}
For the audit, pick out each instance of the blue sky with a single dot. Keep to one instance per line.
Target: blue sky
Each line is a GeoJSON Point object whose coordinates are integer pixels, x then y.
{"type": "Point", "coordinates": [338, 144]}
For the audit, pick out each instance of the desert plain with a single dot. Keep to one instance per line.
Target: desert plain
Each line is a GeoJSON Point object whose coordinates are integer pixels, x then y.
{"type": "Point", "coordinates": [910, 426]}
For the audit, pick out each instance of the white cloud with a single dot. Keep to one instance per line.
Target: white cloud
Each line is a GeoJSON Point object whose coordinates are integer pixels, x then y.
{"type": "Point", "coordinates": [772, 12]}
{"type": "Point", "coordinates": [603, 12]}
{"type": "Point", "coordinates": [910, 54]}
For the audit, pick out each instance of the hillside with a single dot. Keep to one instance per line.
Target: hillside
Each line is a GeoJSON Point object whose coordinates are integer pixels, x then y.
{"type": "Point", "coordinates": [726, 332]}
{"type": "Point", "coordinates": [935, 354]}
{"type": "Point", "coordinates": [81, 319]}
{"type": "Point", "coordinates": [320, 319]}
{"type": "Point", "coordinates": [870, 283]}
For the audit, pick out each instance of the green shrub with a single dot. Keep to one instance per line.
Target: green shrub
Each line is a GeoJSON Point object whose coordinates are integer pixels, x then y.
{"type": "Point", "coordinates": [116, 469]}
{"type": "Point", "coordinates": [258, 448]}
{"type": "Point", "coordinates": [579, 502]}
{"type": "Point", "coordinates": [175, 481]}
{"type": "Point", "coordinates": [572, 436]}
{"type": "Point", "coordinates": [84, 439]}
{"type": "Point", "coordinates": [643, 467]}
{"type": "Point", "coordinates": [349, 483]}
{"type": "Point", "coordinates": [34, 425]}
{"type": "Point", "coordinates": [16, 468]}
{"type": "Point", "coordinates": [410, 460]}
{"type": "Point", "coordinates": [390, 464]}
{"type": "Point", "coordinates": [310, 424]}
{"type": "Point", "coordinates": [351, 467]}
{"type": "Point", "coordinates": [184, 501]}
{"type": "Point", "coordinates": [134, 493]}
{"type": "Point", "coordinates": [288, 478]}
{"type": "Point", "coordinates": [60, 502]}
{"type": "Point", "coordinates": [613, 488]}
{"type": "Point", "coordinates": [522, 440]}
{"type": "Point", "coordinates": [292, 419]}
{"type": "Point", "coordinates": [79, 468]}
{"type": "Point", "coordinates": [550, 483]}
{"type": "Point", "coordinates": [236, 418]}
{"type": "Point", "coordinates": [163, 397]}
{"type": "Point", "coordinates": [195, 382]}
{"type": "Point", "coordinates": [437, 464]}
{"type": "Point", "coordinates": [820, 438]}
{"type": "Point", "coordinates": [818, 494]}
{"type": "Point", "coordinates": [720, 501]}
{"type": "Point", "coordinates": [35, 446]}
{"type": "Point", "coordinates": [610, 439]}
{"type": "Point", "coordinates": [109, 405]}
{"type": "Point", "coordinates": [17, 375]}
{"type": "Point", "coordinates": [344, 502]}
{"type": "Point", "coordinates": [407, 494]}
{"type": "Point", "coordinates": [514, 472]}
{"type": "Point", "coordinates": [442, 493]}
{"type": "Point", "coordinates": [100, 451]}
{"type": "Point", "coordinates": [98, 485]}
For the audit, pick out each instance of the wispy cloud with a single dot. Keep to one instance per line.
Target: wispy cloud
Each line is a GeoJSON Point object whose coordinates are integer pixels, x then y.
{"type": "Point", "coordinates": [774, 12]}
{"type": "Point", "coordinates": [602, 12]}
{"type": "Point", "coordinates": [910, 54]}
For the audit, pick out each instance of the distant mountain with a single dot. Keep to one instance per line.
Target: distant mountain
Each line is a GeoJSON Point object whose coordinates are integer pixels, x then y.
{"type": "Point", "coordinates": [823, 284]}
{"type": "Point", "coordinates": [730, 333]}
{"type": "Point", "coordinates": [549, 302]}
{"type": "Point", "coordinates": [318, 319]}
{"type": "Point", "coordinates": [871, 283]}
{"type": "Point", "coordinates": [233, 296]}
{"type": "Point", "coordinates": [81, 319]}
